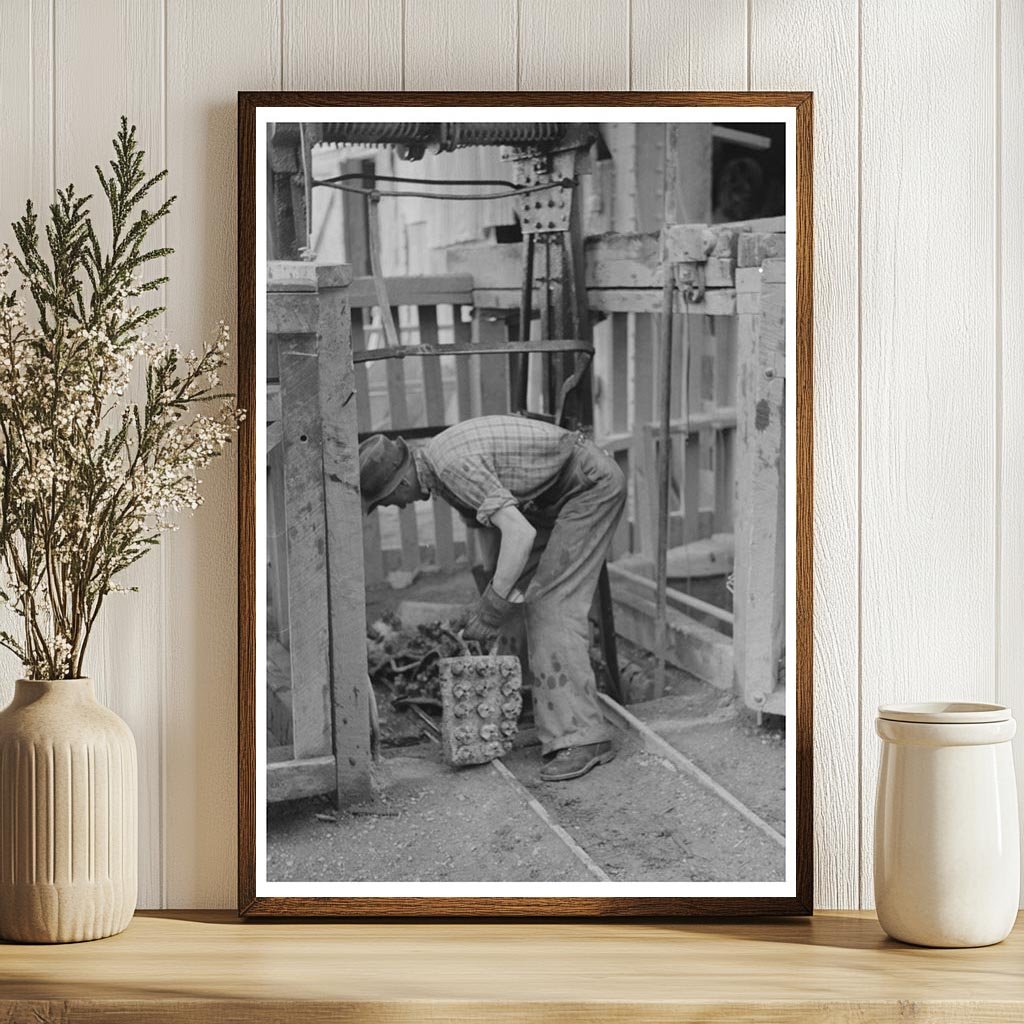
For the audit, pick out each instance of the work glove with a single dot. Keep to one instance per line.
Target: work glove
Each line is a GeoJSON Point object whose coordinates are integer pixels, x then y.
{"type": "Point", "coordinates": [486, 619]}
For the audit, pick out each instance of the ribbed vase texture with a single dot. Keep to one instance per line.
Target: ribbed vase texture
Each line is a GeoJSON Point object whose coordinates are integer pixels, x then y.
{"type": "Point", "coordinates": [68, 815]}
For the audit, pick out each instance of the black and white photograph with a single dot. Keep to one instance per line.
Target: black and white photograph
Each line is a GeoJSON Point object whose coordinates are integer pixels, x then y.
{"type": "Point", "coordinates": [525, 502]}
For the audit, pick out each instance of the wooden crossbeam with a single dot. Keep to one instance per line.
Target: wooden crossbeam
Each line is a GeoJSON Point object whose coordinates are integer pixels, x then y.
{"type": "Point", "coordinates": [477, 348]}
{"type": "Point", "coordinates": [437, 290]}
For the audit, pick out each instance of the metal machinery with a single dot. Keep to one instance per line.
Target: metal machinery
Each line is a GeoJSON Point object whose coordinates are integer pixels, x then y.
{"type": "Point", "coordinates": [547, 159]}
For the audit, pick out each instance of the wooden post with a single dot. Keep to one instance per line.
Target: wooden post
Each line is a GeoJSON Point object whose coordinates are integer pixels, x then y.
{"type": "Point", "coordinates": [760, 580]}
{"type": "Point", "coordinates": [373, 561]}
{"type": "Point", "coordinates": [724, 334]}
{"type": "Point", "coordinates": [462, 333]}
{"type": "Point", "coordinates": [619, 417]}
{"type": "Point", "coordinates": [308, 628]}
{"type": "Point", "coordinates": [350, 684]}
{"type": "Point", "coordinates": [277, 543]}
{"type": "Point", "coordinates": [664, 483]}
{"type": "Point", "coordinates": [399, 408]}
{"type": "Point", "coordinates": [644, 344]}
{"type": "Point", "coordinates": [433, 397]}
{"type": "Point", "coordinates": [490, 328]}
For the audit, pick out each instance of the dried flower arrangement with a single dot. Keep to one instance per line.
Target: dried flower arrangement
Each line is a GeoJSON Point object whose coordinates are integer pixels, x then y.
{"type": "Point", "coordinates": [89, 478]}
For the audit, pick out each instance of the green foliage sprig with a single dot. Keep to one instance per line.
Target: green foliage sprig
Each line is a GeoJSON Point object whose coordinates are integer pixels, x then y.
{"type": "Point", "coordinates": [89, 477]}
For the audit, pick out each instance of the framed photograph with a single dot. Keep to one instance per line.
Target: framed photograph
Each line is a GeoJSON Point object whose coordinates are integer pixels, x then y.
{"type": "Point", "coordinates": [525, 503]}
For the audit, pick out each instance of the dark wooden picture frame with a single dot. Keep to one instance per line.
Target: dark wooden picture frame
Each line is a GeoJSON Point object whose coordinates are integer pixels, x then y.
{"type": "Point", "coordinates": [799, 388]}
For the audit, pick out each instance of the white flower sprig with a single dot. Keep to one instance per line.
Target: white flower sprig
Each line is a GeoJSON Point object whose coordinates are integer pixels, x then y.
{"type": "Point", "coordinates": [89, 478]}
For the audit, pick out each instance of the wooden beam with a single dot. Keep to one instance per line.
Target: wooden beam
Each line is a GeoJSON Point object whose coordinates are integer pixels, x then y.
{"type": "Point", "coordinates": [448, 289]}
{"type": "Point", "coordinates": [644, 586]}
{"type": "Point", "coordinates": [642, 350]}
{"type": "Point", "coordinates": [720, 272]}
{"type": "Point", "coordinates": [760, 577]}
{"type": "Point", "coordinates": [273, 403]}
{"type": "Point", "coordinates": [750, 140]}
{"type": "Point", "coordinates": [623, 261]}
{"type": "Point", "coordinates": [433, 393]}
{"type": "Point", "coordinates": [275, 436]}
{"type": "Point", "coordinates": [398, 407]}
{"type": "Point", "coordinates": [308, 628]}
{"type": "Point", "coordinates": [755, 247]}
{"type": "Point", "coordinates": [349, 716]}
{"type": "Point", "coordinates": [694, 243]}
{"type": "Point", "coordinates": [709, 556]}
{"type": "Point", "coordinates": [489, 329]}
{"type": "Point", "coordinates": [373, 570]}
{"type": "Point", "coordinates": [277, 546]}
{"type": "Point", "coordinates": [692, 646]}
{"type": "Point", "coordinates": [279, 693]}
{"type": "Point", "coordinates": [630, 260]}
{"type": "Point", "coordinates": [305, 777]}
{"type": "Point", "coordinates": [302, 276]}
{"type": "Point", "coordinates": [292, 313]}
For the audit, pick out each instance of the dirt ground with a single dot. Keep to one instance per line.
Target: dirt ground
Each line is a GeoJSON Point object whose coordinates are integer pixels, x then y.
{"type": "Point", "coordinates": [434, 823]}
{"type": "Point", "coordinates": [715, 731]}
{"type": "Point", "coordinates": [638, 817]}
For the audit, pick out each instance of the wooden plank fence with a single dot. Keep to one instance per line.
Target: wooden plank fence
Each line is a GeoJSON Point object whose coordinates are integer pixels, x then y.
{"type": "Point", "coordinates": [727, 487]}
{"type": "Point", "coordinates": [418, 395]}
{"type": "Point", "coordinates": [318, 694]}
{"type": "Point", "coordinates": [719, 487]}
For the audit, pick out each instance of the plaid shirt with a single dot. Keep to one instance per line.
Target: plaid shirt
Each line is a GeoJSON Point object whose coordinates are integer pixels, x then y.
{"type": "Point", "coordinates": [486, 464]}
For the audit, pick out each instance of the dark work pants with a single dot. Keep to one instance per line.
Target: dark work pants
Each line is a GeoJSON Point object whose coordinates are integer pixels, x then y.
{"type": "Point", "coordinates": [574, 530]}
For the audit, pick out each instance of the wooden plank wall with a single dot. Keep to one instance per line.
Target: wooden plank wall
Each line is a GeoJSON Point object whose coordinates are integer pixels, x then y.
{"type": "Point", "coordinates": [920, 387]}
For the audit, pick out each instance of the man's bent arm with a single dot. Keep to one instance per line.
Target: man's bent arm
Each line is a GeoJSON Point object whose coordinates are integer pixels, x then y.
{"type": "Point", "coordinates": [517, 537]}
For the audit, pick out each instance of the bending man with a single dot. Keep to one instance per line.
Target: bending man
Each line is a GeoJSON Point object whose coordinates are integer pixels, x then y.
{"type": "Point", "coordinates": [547, 502]}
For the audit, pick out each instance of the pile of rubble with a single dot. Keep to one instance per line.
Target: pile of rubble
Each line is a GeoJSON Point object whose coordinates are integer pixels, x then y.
{"type": "Point", "coordinates": [405, 659]}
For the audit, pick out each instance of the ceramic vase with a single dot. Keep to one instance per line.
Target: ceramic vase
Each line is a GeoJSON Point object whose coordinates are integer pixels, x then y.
{"type": "Point", "coordinates": [947, 846]}
{"type": "Point", "coordinates": [68, 815]}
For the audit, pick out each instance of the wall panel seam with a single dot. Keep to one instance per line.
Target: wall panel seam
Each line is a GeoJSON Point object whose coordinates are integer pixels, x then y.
{"type": "Point", "coordinates": [162, 696]}
{"type": "Point", "coordinates": [53, 97]}
{"type": "Point", "coordinates": [997, 233]}
{"type": "Point", "coordinates": [750, 43]}
{"type": "Point", "coordinates": [859, 867]}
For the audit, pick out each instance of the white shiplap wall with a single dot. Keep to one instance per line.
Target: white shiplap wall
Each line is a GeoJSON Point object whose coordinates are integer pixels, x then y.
{"type": "Point", "coordinates": [919, 307]}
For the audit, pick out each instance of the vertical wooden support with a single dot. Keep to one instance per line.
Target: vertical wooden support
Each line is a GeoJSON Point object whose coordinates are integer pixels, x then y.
{"type": "Point", "coordinates": [664, 473]}
{"type": "Point", "coordinates": [277, 544]}
{"type": "Point", "coordinates": [342, 510]}
{"type": "Point", "coordinates": [399, 420]}
{"type": "Point", "coordinates": [644, 337]}
{"type": "Point", "coordinates": [490, 328]}
{"type": "Point", "coordinates": [688, 174]}
{"type": "Point", "coordinates": [462, 332]}
{"type": "Point", "coordinates": [373, 563]}
{"type": "Point", "coordinates": [286, 200]}
{"type": "Point", "coordinates": [619, 383]}
{"type": "Point", "coordinates": [619, 418]}
{"type": "Point", "coordinates": [691, 355]}
{"type": "Point", "coordinates": [760, 582]}
{"type": "Point", "coordinates": [308, 626]}
{"type": "Point", "coordinates": [433, 395]}
{"type": "Point", "coordinates": [724, 334]}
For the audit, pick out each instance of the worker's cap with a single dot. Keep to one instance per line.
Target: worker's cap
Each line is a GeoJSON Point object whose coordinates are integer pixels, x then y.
{"type": "Point", "coordinates": [382, 461]}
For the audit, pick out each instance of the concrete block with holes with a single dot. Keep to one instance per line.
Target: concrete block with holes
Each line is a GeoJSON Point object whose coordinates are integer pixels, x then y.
{"type": "Point", "coordinates": [481, 698]}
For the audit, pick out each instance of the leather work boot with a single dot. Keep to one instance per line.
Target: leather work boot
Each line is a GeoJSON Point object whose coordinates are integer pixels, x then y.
{"type": "Point", "coordinates": [572, 762]}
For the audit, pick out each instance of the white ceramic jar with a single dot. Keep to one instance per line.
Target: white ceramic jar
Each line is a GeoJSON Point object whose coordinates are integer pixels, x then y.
{"type": "Point", "coordinates": [947, 846]}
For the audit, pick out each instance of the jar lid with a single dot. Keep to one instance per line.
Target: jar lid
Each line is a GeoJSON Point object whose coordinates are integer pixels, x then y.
{"type": "Point", "coordinates": [945, 712]}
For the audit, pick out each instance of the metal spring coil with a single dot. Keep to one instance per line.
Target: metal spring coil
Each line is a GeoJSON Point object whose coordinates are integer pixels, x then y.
{"type": "Point", "coordinates": [447, 136]}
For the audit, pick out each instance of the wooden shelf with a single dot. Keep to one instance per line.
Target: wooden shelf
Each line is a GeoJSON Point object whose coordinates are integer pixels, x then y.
{"type": "Point", "coordinates": [208, 966]}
